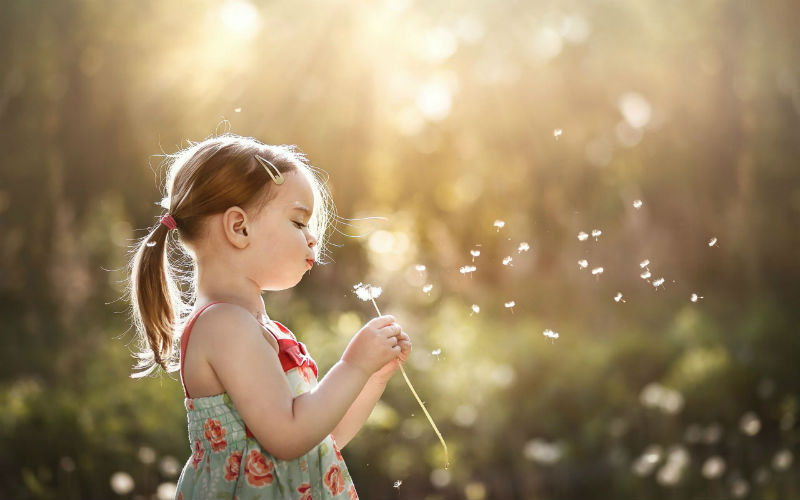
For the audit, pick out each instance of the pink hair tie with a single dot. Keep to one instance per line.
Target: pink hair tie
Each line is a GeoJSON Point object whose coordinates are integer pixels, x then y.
{"type": "Point", "coordinates": [169, 221]}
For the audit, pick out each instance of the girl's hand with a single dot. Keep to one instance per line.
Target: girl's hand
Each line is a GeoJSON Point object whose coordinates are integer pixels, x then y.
{"type": "Point", "coordinates": [375, 345]}
{"type": "Point", "coordinates": [385, 373]}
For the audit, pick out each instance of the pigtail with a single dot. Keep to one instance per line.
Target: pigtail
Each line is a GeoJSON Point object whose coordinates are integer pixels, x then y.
{"type": "Point", "coordinates": [155, 299]}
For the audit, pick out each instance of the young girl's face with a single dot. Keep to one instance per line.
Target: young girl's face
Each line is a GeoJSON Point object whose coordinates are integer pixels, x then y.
{"type": "Point", "coordinates": [283, 248]}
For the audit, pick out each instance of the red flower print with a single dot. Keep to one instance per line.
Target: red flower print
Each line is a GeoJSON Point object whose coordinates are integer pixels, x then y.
{"type": "Point", "coordinates": [232, 465]}
{"type": "Point", "coordinates": [352, 493]}
{"type": "Point", "coordinates": [190, 404]}
{"type": "Point", "coordinates": [180, 495]}
{"type": "Point", "coordinates": [306, 373]}
{"type": "Point", "coordinates": [215, 433]}
{"type": "Point", "coordinates": [257, 470]}
{"type": "Point", "coordinates": [334, 480]}
{"type": "Point", "coordinates": [336, 449]}
{"type": "Point", "coordinates": [197, 456]}
{"type": "Point", "coordinates": [247, 432]}
{"type": "Point", "coordinates": [305, 491]}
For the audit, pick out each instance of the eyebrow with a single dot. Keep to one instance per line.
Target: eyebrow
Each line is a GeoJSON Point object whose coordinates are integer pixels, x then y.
{"type": "Point", "coordinates": [301, 208]}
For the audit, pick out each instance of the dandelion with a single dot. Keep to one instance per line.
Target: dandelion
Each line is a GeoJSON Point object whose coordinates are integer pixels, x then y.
{"type": "Point", "coordinates": [712, 242]}
{"type": "Point", "coordinates": [474, 253]}
{"type": "Point", "coordinates": [499, 224]}
{"type": "Point", "coordinates": [695, 297]}
{"type": "Point", "coordinates": [510, 305]}
{"type": "Point", "coordinates": [368, 292]}
{"type": "Point", "coordinates": [644, 263]}
{"type": "Point", "coordinates": [420, 267]}
{"type": "Point", "coordinates": [507, 261]}
{"type": "Point", "coordinates": [523, 247]}
{"type": "Point", "coordinates": [582, 236]}
{"type": "Point", "coordinates": [596, 233]}
{"type": "Point", "coordinates": [657, 283]}
{"type": "Point", "coordinates": [597, 270]}
{"type": "Point", "coordinates": [427, 288]}
{"type": "Point", "coordinates": [618, 297]}
{"type": "Point", "coordinates": [637, 204]}
{"type": "Point", "coordinates": [583, 263]}
{"type": "Point", "coordinates": [557, 133]}
{"type": "Point", "coordinates": [475, 309]}
{"type": "Point", "coordinates": [645, 275]}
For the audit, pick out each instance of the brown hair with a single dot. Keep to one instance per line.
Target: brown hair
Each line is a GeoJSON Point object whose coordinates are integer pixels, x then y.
{"type": "Point", "coordinates": [204, 179]}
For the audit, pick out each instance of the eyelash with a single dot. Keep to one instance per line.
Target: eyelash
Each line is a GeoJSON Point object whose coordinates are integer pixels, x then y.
{"type": "Point", "coordinates": [300, 225]}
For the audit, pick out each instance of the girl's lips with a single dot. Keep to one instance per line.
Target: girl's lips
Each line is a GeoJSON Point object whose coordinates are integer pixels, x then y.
{"type": "Point", "coordinates": [310, 262]}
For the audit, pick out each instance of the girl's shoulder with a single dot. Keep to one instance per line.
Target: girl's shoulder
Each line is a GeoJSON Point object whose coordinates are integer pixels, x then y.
{"type": "Point", "coordinates": [223, 322]}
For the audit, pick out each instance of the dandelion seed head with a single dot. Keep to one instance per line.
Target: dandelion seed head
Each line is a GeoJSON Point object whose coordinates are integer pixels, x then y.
{"type": "Point", "coordinates": [583, 263]}
{"type": "Point", "coordinates": [637, 203]}
{"type": "Point", "coordinates": [499, 224]}
{"type": "Point", "coordinates": [596, 233]}
{"type": "Point", "coordinates": [645, 275]}
{"type": "Point", "coordinates": [550, 334]}
{"type": "Point", "coordinates": [597, 270]}
{"type": "Point", "coordinates": [436, 352]}
{"type": "Point", "coordinates": [427, 288]}
{"type": "Point", "coordinates": [507, 261]}
{"type": "Point", "coordinates": [582, 236]}
{"type": "Point", "coordinates": [523, 247]}
{"type": "Point", "coordinates": [475, 253]}
{"type": "Point", "coordinates": [467, 269]}
{"type": "Point", "coordinates": [712, 242]}
{"type": "Point", "coordinates": [657, 283]}
{"type": "Point", "coordinates": [695, 297]}
{"type": "Point", "coordinates": [398, 483]}
{"type": "Point", "coordinates": [644, 263]}
{"type": "Point", "coordinates": [510, 304]}
{"type": "Point", "coordinates": [618, 297]}
{"type": "Point", "coordinates": [367, 292]}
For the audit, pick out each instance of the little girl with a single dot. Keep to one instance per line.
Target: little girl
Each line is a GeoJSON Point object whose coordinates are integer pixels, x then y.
{"type": "Point", "coordinates": [252, 217]}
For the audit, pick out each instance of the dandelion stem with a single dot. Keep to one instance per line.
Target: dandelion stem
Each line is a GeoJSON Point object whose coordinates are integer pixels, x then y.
{"type": "Point", "coordinates": [410, 386]}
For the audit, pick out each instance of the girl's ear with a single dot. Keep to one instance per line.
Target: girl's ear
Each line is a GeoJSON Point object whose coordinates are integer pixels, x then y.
{"type": "Point", "coordinates": [234, 225]}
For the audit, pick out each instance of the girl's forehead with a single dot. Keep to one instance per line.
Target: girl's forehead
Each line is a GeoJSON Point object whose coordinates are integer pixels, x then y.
{"type": "Point", "coordinates": [296, 192]}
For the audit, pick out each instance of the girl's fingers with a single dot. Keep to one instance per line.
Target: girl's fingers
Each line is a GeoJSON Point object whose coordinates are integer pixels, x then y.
{"type": "Point", "coordinates": [392, 330]}
{"type": "Point", "coordinates": [382, 321]}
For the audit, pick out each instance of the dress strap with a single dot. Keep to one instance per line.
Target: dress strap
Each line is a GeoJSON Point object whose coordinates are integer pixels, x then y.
{"type": "Point", "coordinates": [185, 339]}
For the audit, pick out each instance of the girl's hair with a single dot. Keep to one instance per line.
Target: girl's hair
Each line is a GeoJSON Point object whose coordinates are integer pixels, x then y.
{"type": "Point", "coordinates": [204, 179]}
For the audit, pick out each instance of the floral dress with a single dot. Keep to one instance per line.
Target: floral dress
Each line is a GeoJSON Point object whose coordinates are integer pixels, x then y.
{"type": "Point", "coordinates": [228, 462]}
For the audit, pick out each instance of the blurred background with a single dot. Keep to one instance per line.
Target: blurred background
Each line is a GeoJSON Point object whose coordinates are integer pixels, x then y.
{"type": "Point", "coordinates": [604, 197]}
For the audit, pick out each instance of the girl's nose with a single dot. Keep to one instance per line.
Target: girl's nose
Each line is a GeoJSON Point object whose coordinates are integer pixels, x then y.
{"type": "Point", "coordinates": [312, 241]}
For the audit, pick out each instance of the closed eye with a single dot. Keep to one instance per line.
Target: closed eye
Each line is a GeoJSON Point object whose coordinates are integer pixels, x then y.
{"type": "Point", "coordinates": [300, 225]}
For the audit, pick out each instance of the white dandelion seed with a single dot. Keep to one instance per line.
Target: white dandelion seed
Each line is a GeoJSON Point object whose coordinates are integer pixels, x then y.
{"type": "Point", "coordinates": [644, 263]}
{"type": "Point", "coordinates": [367, 292]}
{"type": "Point", "coordinates": [645, 275]}
{"type": "Point", "coordinates": [474, 253]}
{"type": "Point", "coordinates": [583, 263]}
{"type": "Point", "coordinates": [582, 236]}
{"type": "Point", "coordinates": [618, 297]}
{"type": "Point", "coordinates": [420, 267]}
{"type": "Point", "coordinates": [397, 484]}
{"type": "Point", "coordinates": [237, 110]}
{"type": "Point", "coordinates": [523, 247]}
{"type": "Point", "coordinates": [467, 269]}
{"type": "Point", "coordinates": [597, 270]}
{"type": "Point", "coordinates": [657, 283]}
{"type": "Point", "coordinates": [475, 309]}
{"type": "Point", "coordinates": [712, 242]}
{"type": "Point", "coordinates": [507, 261]}
{"type": "Point", "coordinates": [695, 297]}
{"type": "Point", "coordinates": [596, 233]}
{"type": "Point", "coordinates": [637, 203]}
{"type": "Point", "coordinates": [436, 352]}
{"type": "Point", "coordinates": [427, 288]}
{"type": "Point", "coordinates": [510, 305]}
{"type": "Point", "coordinates": [557, 133]}
{"type": "Point", "coordinates": [499, 224]}
{"type": "Point", "coordinates": [550, 334]}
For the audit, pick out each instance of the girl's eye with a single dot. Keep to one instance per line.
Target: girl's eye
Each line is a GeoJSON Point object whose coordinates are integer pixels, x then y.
{"type": "Point", "coordinates": [300, 225]}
